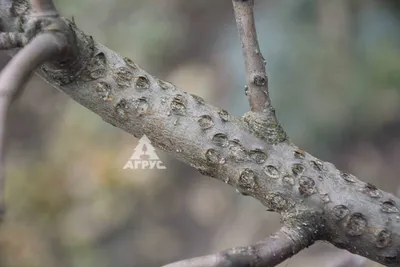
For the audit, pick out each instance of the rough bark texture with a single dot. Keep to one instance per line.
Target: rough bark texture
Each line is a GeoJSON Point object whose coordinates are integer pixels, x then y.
{"type": "Point", "coordinates": [257, 79]}
{"type": "Point", "coordinates": [251, 153]}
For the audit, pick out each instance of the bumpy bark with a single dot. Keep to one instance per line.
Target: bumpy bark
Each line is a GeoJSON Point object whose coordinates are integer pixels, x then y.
{"type": "Point", "coordinates": [251, 153]}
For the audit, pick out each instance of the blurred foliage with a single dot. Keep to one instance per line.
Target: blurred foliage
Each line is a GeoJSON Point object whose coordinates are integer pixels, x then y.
{"type": "Point", "coordinates": [333, 71]}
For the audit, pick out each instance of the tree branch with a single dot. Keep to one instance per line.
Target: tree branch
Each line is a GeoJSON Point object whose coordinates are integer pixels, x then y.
{"type": "Point", "coordinates": [269, 252]}
{"type": "Point", "coordinates": [249, 153]}
{"type": "Point", "coordinates": [257, 89]}
{"type": "Point", "coordinates": [42, 48]}
{"type": "Point", "coordinates": [44, 7]}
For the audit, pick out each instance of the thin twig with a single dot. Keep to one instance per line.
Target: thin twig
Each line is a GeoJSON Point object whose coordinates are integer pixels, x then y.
{"type": "Point", "coordinates": [42, 48]}
{"type": "Point", "coordinates": [254, 61]}
{"type": "Point", "coordinates": [269, 252]}
{"type": "Point", "coordinates": [44, 7]}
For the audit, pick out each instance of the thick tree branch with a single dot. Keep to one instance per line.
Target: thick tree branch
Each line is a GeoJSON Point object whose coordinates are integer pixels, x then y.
{"type": "Point", "coordinates": [257, 89]}
{"type": "Point", "coordinates": [269, 252]}
{"type": "Point", "coordinates": [250, 153]}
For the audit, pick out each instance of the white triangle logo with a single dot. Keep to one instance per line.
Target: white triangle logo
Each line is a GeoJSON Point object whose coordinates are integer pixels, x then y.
{"type": "Point", "coordinates": [144, 156]}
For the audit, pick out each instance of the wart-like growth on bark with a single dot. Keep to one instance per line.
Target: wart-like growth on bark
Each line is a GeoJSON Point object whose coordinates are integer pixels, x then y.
{"type": "Point", "coordinates": [251, 153]}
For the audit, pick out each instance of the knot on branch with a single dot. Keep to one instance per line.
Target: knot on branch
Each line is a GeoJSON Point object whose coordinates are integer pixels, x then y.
{"type": "Point", "coordinates": [265, 126]}
{"type": "Point", "coordinates": [39, 18]}
{"type": "Point", "coordinates": [50, 23]}
{"type": "Point", "coordinates": [304, 227]}
{"type": "Point", "coordinates": [77, 48]}
{"type": "Point", "coordinates": [276, 201]}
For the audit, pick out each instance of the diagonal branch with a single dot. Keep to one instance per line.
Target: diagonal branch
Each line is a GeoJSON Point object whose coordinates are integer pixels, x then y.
{"type": "Point", "coordinates": [251, 155]}
{"type": "Point", "coordinates": [13, 78]}
{"type": "Point", "coordinates": [353, 215]}
{"type": "Point", "coordinates": [270, 252]}
{"type": "Point", "coordinates": [257, 79]}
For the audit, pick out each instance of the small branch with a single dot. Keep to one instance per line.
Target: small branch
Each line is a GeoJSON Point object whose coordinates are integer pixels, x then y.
{"type": "Point", "coordinates": [9, 40]}
{"type": "Point", "coordinates": [12, 79]}
{"type": "Point", "coordinates": [270, 252]}
{"type": "Point", "coordinates": [254, 61]}
{"type": "Point", "coordinates": [44, 7]}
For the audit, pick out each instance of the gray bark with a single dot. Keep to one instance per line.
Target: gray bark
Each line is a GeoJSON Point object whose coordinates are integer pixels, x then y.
{"type": "Point", "coordinates": [251, 153]}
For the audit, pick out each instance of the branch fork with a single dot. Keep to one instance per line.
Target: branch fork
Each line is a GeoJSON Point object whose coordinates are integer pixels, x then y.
{"type": "Point", "coordinates": [252, 153]}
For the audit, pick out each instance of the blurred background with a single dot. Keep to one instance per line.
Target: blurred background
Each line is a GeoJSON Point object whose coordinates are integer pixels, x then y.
{"type": "Point", "coordinates": [334, 76]}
